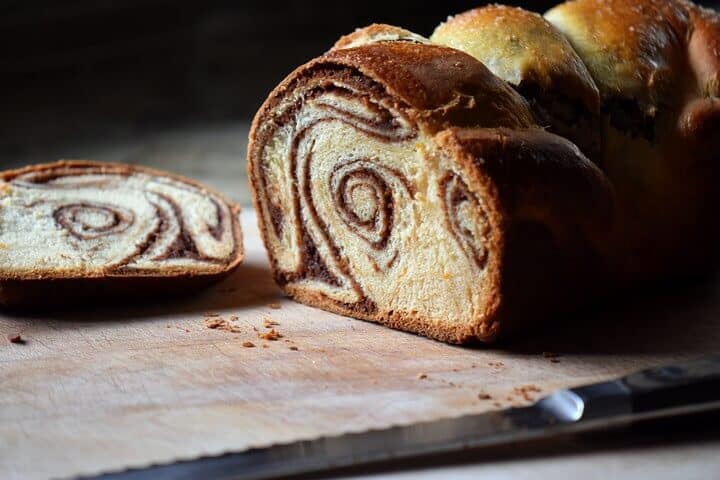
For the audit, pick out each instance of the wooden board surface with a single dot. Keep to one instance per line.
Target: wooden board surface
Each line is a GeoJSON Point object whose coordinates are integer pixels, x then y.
{"type": "Point", "coordinates": [123, 385]}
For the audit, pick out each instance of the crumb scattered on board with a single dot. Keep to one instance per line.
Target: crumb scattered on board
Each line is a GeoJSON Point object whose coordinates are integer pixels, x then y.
{"type": "Point", "coordinates": [269, 323]}
{"type": "Point", "coordinates": [16, 338]}
{"type": "Point", "coordinates": [248, 345]}
{"type": "Point", "coordinates": [293, 347]}
{"type": "Point", "coordinates": [270, 335]}
{"type": "Point", "coordinates": [484, 396]}
{"type": "Point", "coordinates": [422, 376]}
{"type": "Point", "coordinates": [217, 323]}
{"type": "Point", "coordinates": [274, 306]}
{"type": "Point", "coordinates": [496, 364]}
{"type": "Point", "coordinates": [526, 391]}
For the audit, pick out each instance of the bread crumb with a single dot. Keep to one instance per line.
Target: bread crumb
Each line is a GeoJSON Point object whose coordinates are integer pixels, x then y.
{"type": "Point", "coordinates": [526, 391]}
{"type": "Point", "coordinates": [495, 364]}
{"type": "Point", "coordinates": [265, 345]}
{"type": "Point", "coordinates": [422, 376]}
{"type": "Point", "coordinates": [274, 306]}
{"type": "Point", "coordinates": [233, 318]}
{"type": "Point", "coordinates": [269, 323]}
{"type": "Point", "coordinates": [221, 324]}
{"type": "Point", "coordinates": [484, 396]}
{"type": "Point", "coordinates": [293, 347]}
{"type": "Point", "coordinates": [211, 314]}
{"type": "Point", "coordinates": [248, 344]}
{"type": "Point", "coordinates": [271, 335]}
{"type": "Point", "coordinates": [16, 338]}
{"type": "Point", "coordinates": [3, 246]}
{"type": "Point", "coordinates": [497, 404]}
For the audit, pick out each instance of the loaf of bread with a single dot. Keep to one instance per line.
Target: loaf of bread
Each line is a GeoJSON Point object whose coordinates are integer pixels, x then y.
{"type": "Point", "coordinates": [77, 230]}
{"type": "Point", "coordinates": [655, 67]}
{"type": "Point", "coordinates": [503, 170]}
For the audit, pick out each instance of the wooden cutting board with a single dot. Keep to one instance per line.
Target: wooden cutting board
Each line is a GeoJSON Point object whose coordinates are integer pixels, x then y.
{"type": "Point", "coordinates": [126, 386]}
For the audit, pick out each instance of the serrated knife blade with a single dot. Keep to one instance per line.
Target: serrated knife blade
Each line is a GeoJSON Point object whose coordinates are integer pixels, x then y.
{"type": "Point", "coordinates": [666, 391]}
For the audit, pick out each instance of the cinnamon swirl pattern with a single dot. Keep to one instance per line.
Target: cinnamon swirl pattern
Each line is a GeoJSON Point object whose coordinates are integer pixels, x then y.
{"type": "Point", "coordinates": [360, 212]}
{"type": "Point", "coordinates": [465, 218]}
{"type": "Point", "coordinates": [91, 219]}
{"type": "Point", "coordinates": [372, 204]}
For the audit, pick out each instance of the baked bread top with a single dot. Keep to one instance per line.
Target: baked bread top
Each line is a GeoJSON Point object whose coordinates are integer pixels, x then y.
{"type": "Point", "coordinates": [520, 47]}
{"type": "Point", "coordinates": [633, 49]}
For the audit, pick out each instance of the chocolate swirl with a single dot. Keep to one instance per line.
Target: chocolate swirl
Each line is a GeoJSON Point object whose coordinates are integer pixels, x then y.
{"type": "Point", "coordinates": [364, 198]}
{"type": "Point", "coordinates": [317, 196]}
{"type": "Point", "coordinates": [465, 218]}
{"type": "Point", "coordinates": [85, 221]}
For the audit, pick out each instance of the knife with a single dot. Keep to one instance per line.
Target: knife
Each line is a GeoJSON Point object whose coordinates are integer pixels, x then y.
{"type": "Point", "coordinates": [684, 388]}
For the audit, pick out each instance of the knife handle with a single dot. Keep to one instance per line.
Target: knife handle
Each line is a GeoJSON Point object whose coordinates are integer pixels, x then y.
{"type": "Point", "coordinates": [682, 385]}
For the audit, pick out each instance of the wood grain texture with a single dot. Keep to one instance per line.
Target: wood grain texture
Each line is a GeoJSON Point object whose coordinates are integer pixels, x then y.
{"type": "Point", "coordinates": [128, 385]}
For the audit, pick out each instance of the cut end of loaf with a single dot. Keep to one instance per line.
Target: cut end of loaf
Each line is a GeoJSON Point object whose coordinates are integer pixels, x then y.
{"type": "Point", "coordinates": [364, 215]}
{"type": "Point", "coordinates": [78, 220]}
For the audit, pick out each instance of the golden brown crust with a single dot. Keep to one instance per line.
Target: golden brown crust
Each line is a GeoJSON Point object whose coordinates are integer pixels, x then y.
{"type": "Point", "coordinates": [26, 287]}
{"type": "Point", "coordinates": [520, 47]}
{"type": "Point", "coordinates": [632, 48]}
{"type": "Point", "coordinates": [442, 85]}
{"type": "Point", "coordinates": [655, 63]}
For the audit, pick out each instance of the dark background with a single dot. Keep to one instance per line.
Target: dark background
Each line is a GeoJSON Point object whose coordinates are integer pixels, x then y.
{"type": "Point", "coordinates": [109, 78]}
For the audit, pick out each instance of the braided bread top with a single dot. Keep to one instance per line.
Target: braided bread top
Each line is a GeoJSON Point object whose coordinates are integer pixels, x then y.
{"type": "Point", "coordinates": [633, 83]}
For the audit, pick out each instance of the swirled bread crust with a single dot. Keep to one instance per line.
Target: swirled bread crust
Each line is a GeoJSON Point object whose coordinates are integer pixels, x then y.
{"type": "Point", "coordinates": [372, 204]}
{"type": "Point", "coordinates": [526, 51]}
{"type": "Point", "coordinates": [84, 221]}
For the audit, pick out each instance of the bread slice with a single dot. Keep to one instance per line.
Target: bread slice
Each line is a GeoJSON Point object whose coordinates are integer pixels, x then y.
{"type": "Point", "coordinates": [403, 183]}
{"type": "Point", "coordinates": [74, 230]}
